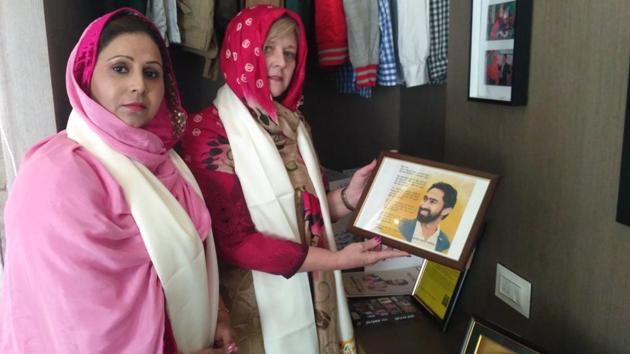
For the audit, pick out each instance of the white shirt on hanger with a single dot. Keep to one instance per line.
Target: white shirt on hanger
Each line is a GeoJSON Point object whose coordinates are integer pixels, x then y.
{"type": "Point", "coordinates": [164, 14]}
{"type": "Point", "coordinates": [413, 40]}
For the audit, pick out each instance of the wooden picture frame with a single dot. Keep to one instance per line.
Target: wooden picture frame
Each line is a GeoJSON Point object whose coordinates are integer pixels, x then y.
{"type": "Point", "coordinates": [431, 209]}
{"type": "Point", "coordinates": [499, 51]}
{"type": "Point", "coordinates": [484, 337]}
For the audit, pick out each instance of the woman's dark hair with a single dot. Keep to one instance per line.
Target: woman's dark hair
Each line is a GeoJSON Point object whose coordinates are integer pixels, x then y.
{"type": "Point", "coordinates": [127, 23]}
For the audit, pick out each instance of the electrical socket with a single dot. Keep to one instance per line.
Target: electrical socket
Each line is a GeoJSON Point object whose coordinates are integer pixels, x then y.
{"type": "Point", "coordinates": [513, 290]}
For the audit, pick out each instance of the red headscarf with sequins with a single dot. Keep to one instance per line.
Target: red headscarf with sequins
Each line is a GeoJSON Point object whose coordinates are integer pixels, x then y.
{"type": "Point", "coordinates": [243, 60]}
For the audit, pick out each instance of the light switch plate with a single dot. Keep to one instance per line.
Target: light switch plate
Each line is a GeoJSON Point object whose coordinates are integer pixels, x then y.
{"type": "Point", "coordinates": [513, 290]}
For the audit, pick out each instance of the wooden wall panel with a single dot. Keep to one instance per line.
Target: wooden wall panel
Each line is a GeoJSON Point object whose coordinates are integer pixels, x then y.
{"type": "Point", "coordinates": [553, 217]}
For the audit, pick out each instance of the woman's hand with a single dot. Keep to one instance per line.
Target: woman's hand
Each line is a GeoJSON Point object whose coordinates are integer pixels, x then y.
{"type": "Point", "coordinates": [364, 253]}
{"type": "Point", "coordinates": [224, 334]}
{"type": "Point", "coordinates": [359, 180]}
{"type": "Point", "coordinates": [352, 192]}
{"type": "Point", "coordinates": [354, 255]}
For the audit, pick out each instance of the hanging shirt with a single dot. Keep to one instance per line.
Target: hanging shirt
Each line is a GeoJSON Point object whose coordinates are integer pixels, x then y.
{"type": "Point", "coordinates": [196, 21]}
{"type": "Point", "coordinates": [164, 14]}
{"type": "Point", "coordinates": [387, 53]}
{"type": "Point", "coordinates": [413, 40]}
{"type": "Point", "coordinates": [363, 39]}
{"type": "Point", "coordinates": [331, 32]}
{"type": "Point", "coordinates": [438, 51]}
{"type": "Point", "coordinates": [347, 81]}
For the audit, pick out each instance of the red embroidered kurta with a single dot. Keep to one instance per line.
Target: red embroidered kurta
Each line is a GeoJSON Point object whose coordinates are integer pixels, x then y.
{"type": "Point", "coordinates": [236, 238]}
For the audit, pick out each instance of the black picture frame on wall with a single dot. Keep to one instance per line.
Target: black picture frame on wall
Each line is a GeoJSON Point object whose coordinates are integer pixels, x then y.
{"type": "Point", "coordinates": [500, 33]}
{"type": "Point", "coordinates": [623, 201]}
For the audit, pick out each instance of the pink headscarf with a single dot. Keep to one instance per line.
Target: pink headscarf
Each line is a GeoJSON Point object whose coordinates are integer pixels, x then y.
{"type": "Point", "coordinates": [78, 278]}
{"type": "Point", "coordinates": [243, 59]}
{"type": "Point", "coordinates": [141, 144]}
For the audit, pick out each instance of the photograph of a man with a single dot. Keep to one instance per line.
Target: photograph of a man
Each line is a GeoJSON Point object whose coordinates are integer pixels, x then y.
{"type": "Point", "coordinates": [425, 230]}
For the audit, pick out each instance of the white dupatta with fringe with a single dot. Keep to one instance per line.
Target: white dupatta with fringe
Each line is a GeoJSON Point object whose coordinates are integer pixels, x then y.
{"type": "Point", "coordinates": [188, 274]}
{"type": "Point", "coordinates": [285, 305]}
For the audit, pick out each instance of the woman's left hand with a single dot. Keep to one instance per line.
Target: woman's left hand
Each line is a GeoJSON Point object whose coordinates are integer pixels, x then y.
{"type": "Point", "coordinates": [352, 191]}
{"type": "Point", "coordinates": [359, 180]}
{"type": "Point", "coordinates": [224, 334]}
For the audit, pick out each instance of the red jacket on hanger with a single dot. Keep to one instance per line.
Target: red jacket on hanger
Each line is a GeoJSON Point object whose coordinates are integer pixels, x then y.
{"type": "Point", "coordinates": [330, 32]}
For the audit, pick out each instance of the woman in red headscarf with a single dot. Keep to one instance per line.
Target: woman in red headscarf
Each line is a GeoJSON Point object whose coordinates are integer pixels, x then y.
{"type": "Point", "coordinates": [105, 224]}
{"type": "Point", "coordinates": [252, 154]}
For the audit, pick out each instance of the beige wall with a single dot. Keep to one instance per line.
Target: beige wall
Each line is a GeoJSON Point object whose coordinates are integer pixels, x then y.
{"type": "Point", "coordinates": [25, 89]}
{"type": "Point", "coordinates": [25, 94]}
{"type": "Point", "coordinates": [553, 216]}
{"type": "Point", "coordinates": [32, 76]}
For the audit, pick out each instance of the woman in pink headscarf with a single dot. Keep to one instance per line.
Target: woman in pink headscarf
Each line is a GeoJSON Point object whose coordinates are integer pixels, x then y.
{"type": "Point", "coordinates": [253, 157]}
{"type": "Point", "coordinates": [108, 239]}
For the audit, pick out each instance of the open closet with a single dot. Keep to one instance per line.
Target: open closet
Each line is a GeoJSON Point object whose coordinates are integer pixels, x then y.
{"type": "Point", "coordinates": [348, 130]}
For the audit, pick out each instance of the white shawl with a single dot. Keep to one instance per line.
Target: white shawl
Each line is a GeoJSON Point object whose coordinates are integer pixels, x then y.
{"type": "Point", "coordinates": [188, 275]}
{"type": "Point", "coordinates": [285, 306]}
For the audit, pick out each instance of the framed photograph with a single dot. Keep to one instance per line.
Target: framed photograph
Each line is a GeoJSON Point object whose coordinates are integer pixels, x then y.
{"type": "Point", "coordinates": [484, 337]}
{"type": "Point", "coordinates": [499, 51]}
{"type": "Point", "coordinates": [427, 208]}
{"type": "Point", "coordinates": [437, 290]}
{"type": "Point", "coordinates": [623, 201]}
